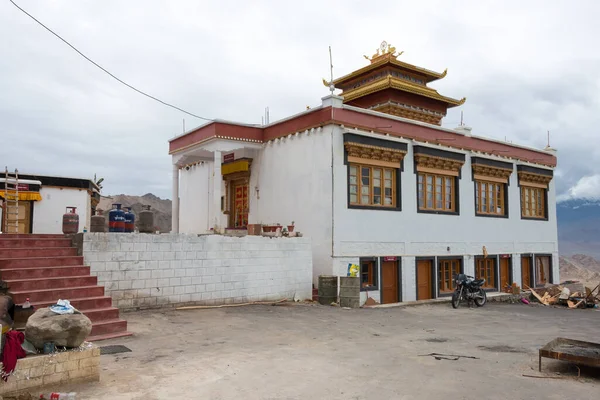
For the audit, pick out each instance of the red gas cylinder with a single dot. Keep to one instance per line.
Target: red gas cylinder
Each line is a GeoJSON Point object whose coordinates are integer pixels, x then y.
{"type": "Point", "coordinates": [70, 221]}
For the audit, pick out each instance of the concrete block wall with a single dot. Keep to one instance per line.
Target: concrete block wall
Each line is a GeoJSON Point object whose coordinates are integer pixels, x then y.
{"type": "Point", "coordinates": [147, 271]}
{"type": "Point", "coordinates": [52, 371]}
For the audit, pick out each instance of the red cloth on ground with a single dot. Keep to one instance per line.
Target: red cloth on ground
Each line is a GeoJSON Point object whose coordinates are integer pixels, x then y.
{"type": "Point", "coordinates": [12, 352]}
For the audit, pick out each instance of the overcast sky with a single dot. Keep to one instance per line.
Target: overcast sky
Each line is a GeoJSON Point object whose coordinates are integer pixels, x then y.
{"type": "Point", "coordinates": [526, 67]}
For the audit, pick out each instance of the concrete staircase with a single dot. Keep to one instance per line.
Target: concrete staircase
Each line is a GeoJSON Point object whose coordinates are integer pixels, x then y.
{"type": "Point", "coordinates": [45, 268]}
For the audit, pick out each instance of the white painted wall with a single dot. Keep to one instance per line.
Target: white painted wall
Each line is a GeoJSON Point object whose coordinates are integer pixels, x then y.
{"type": "Point", "coordinates": [291, 181]}
{"type": "Point", "coordinates": [195, 198]}
{"type": "Point", "coordinates": [142, 271]}
{"type": "Point", "coordinates": [48, 213]}
{"type": "Point", "coordinates": [409, 234]}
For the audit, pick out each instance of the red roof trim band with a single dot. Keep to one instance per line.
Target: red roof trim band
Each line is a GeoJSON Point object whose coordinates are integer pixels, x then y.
{"type": "Point", "coordinates": [359, 120]}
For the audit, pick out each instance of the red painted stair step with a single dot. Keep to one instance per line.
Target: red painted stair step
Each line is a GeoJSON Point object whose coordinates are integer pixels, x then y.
{"type": "Point", "coordinates": [101, 314]}
{"type": "Point", "coordinates": [44, 272]}
{"type": "Point", "coordinates": [50, 283]}
{"type": "Point", "coordinates": [36, 262]}
{"type": "Point", "coordinates": [86, 303]}
{"type": "Point", "coordinates": [57, 293]}
{"type": "Point", "coordinates": [114, 335]}
{"type": "Point", "coordinates": [31, 236]}
{"type": "Point", "coordinates": [37, 252]}
{"type": "Point", "coordinates": [108, 326]}
{"type": "Point", "coordinates": [31, 243]}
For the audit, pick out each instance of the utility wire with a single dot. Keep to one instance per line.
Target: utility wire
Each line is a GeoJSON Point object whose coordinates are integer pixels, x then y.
{"type": "Point", "coordinates": [92, 61]}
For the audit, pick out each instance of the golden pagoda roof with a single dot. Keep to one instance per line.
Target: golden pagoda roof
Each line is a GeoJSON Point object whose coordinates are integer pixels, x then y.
{"type": "Point", "coordinates": [391, 82]}
{"type": "Point", "coordinates": [387, 54]}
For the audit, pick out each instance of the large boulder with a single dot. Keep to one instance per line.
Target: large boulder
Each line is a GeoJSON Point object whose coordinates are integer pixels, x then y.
{"type": "Point", "coordinates": [68, 330]}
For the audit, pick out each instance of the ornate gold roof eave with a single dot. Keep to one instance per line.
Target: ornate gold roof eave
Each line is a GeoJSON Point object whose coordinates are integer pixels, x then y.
{"type": "Point", "coordinates": [534, 178]}
{"type": "Point", "coordinates": [493, 172]}
{"type": "Point", "coordinates": [389, 58]}
{"type": "Point", "coordinates": [388, 82]}
{"type": "Point", "coordinates": [434, 162]}
{"type": "Point", "coordinates": [370, 152]}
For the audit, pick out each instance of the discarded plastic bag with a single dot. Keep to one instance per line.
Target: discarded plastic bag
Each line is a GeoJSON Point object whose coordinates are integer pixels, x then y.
{"type": "Point", "coordinates": [62, 307]}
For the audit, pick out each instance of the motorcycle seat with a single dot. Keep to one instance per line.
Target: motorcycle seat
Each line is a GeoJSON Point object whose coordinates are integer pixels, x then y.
{"type": "Point", "coordinates": [478, 282]}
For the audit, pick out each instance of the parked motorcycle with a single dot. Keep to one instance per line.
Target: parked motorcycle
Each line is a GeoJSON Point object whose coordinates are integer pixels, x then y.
{"type": "Point", "coordinates": [468, 288]}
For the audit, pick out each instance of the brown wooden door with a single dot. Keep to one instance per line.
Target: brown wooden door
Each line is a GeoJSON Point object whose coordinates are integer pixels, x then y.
{"type": "Point", "coordinates": [504, 273]}
{"type": "Point", "coordinates": [389, 275]}
{"type": "Point", "coordinates": [239, 205]}
{"type": "Point", "coordinates": [424, 280]}
{"type": "Point", "coordinates": [24, 219]}
{"type": "Point", "coordinates": [525, 272]}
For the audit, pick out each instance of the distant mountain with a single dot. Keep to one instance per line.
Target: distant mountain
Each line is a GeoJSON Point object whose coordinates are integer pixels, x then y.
{"type": "Point", "coordinates": [581, 268]}
{"type": "Point", "coordinates": [579, 227]}
{"type": "Point", "coordinates": [161, 208]}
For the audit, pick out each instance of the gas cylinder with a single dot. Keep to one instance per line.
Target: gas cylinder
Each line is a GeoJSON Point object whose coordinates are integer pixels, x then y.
{"type": "Point", "coordinates": [116, 219]}
{"type": "Point", "coordinates": [129, 220]}
{"type": "Point", "coordinates": [98, 222]}
{"type": "Point", "coordinates": [146, 221]}
{"type": "Point", "coordinates": [70, 221]}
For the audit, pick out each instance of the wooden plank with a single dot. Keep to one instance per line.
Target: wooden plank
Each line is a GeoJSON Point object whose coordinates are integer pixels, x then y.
{"type": "Point", "coordinates": [537, 296]}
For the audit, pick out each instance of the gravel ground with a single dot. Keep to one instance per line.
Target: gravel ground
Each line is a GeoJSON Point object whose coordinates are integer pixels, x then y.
{"type": "Point", "coordinates": [318, 352]}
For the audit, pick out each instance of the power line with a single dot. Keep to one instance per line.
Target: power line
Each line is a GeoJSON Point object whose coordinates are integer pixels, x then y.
{"type": "Point", "coordinates": [93, 62]}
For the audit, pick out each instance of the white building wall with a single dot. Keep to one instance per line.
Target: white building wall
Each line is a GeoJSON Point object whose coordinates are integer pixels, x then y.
{"type": "Point", "coordinates": [291, 181]}
{"type": "Point", "coordinates": [410, 234]}
{"type": "Point", "coordinates": [195, 198]}
{"type": "Point", "coordinates": [145, 271]}
{"type": "Point", "coordinates": [48, 213]}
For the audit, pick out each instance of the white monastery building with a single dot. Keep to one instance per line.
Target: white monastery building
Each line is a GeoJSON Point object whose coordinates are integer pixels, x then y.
{"type": "Point", "coordinates": [43, 201]}
{"type": "Point", "coordinates": [374, 180]}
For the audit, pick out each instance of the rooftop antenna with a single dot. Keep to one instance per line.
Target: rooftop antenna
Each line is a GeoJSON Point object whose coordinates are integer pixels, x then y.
{"type": "Point", "coordinates": [548, 138]}
{"type": "Point", "coordinates": [461, 119]}
{"type": "Point", "coordinates": [331, 87]}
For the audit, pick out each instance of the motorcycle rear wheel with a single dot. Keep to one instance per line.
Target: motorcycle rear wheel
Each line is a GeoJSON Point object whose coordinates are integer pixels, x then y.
{"type": "Point", "coordinates": [455, 299]}
{"type": "Point", "coordinates": [481, 298]}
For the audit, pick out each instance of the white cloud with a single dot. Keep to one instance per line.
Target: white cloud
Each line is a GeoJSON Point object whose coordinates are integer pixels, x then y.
{"type": "Point", "coordinates": [587, 187]}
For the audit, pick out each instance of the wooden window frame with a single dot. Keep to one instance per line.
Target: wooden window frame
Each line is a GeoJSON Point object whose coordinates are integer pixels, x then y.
{"type": "Point", "coordinates": [495, 271]}
{"type": "Point", "coordinates": [455, 191]}
{"type": "Point", "coordinates": [503, 197]}
{"type": "Point", "coordinates": [527, 201]}
{"type": "Point", "coordinates": [438, 271]}
{"type": "Point", "coordinates": [395, 182]}
{"type": "Point", "coordinates": [373, 263]}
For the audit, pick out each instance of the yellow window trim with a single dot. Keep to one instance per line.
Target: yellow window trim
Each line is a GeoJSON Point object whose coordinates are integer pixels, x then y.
{"type": "Point", "coordinates": [235, 166]}
{"type": "Point", "coordinates": [437, 171]}
{"type": "Point", "coordinates": [490, 178]}
{"type": "Point", "coordinates": [24, 196]}
{"type": "Point", "coordinates": [377, 163]}
{"type": "Point", "coordinates": [534, 184]}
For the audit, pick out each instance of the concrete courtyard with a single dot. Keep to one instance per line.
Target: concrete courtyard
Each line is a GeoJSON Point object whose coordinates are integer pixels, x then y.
{"type": "Point", "coordinates": [316, 352]}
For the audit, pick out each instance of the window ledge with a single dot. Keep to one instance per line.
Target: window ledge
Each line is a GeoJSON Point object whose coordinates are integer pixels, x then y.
{"type": "Point", "coordinates": [378, 208]}
{"type": "Point", "coordinates": [438, 212]}
{"type": "Point", "coordinates": [491, 215]}
{"type": "Point", "coordinates": [534, 219]}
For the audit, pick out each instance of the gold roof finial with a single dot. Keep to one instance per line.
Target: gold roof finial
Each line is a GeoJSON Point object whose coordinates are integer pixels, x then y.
{"type": "Point", "coordinates": [384, 49]}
